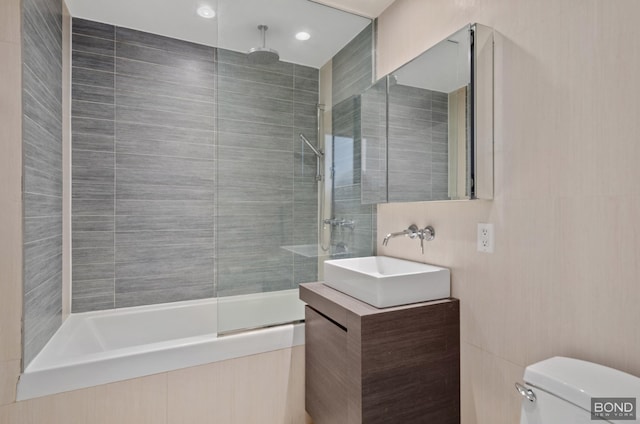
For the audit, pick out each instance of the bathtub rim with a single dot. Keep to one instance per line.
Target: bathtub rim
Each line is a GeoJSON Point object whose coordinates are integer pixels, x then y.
{"type": "Point", "coordinates": [42, 378]}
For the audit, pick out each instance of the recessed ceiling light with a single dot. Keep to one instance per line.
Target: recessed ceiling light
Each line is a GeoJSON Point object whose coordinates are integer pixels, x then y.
{"type": "Point", "coordinates": [206, 12]}
{"type": "Point", "coordinates": [303, 36]}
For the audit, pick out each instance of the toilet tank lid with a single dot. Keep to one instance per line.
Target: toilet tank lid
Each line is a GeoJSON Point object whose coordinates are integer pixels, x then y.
{"type": "Point", "coordinates": [578, 381]}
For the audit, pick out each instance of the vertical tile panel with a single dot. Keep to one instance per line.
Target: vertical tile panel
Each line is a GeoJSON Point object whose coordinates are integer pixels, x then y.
{"type": "Point", "coordinates": [42, 93]}
{"type": "Point", "coordinates": [93, 164]}
{"type": "Point", "coordinates": [165, 112]}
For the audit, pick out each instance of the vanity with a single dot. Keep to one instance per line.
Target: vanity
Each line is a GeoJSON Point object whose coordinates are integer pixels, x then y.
{"type": "Point", "coordinates": [369, 365]}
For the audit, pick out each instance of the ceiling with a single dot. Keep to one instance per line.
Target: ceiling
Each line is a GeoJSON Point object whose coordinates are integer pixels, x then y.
{"type": "Point", "coordinates": [368, 8]}
{"type": "Point", "coordinates": [235, 25]}
{"type": "Point", "coordinates": [445, 67]}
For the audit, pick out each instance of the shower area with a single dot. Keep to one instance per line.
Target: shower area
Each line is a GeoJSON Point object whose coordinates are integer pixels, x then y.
{"type": "Point", "coordinates": [224, 165]}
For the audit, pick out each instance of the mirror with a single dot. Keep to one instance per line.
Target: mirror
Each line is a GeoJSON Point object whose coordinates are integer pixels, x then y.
{"type": "Point", "coordinates": [419, 138]}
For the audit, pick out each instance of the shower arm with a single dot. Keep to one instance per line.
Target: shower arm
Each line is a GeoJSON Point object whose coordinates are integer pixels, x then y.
{"type": "Point", "coordinates": [263, 29]}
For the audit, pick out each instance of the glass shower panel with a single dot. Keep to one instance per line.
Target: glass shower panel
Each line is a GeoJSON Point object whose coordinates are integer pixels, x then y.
{"type": "Point", "coordinates": [270, 162]}
{"type": "Point", "coordinates": [267, 192]}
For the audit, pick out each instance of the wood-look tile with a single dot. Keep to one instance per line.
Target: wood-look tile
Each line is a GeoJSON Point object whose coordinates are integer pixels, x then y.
{"type": "Point", "coordinates": [187, 77]}
{"type": "Point", "coordinates": [174, 294]}
{"type": "Point", "coordinates": [42, 315]}
{"type": "Point", "coordinates": [157, 56]}
{"type": "Point", "coordinates": [92, 45]}
{"type": "Point", "coordinates": [136, 286]}
{"type": "Point", "coordinates": [92, 93]}
{"type": "Point", "coordinates": [91, 60]}
{"type": "Point", "coordinates": [93, 78]}
{"type": "Point", "coordinates": [172, 45]}
{"type": "Point", "coordinates": [158, 223]}
{"type": "Point", "coordinates": [102, 271]}
{"type": "Point", "coordinates": [94, 288]}
{"type": "Point", "coordinates": [143, 100]}
{"type": "Point", "coordinates": [158, 87]}
{"type": "Point", "coordinates": [135, 131]}
{"type": "Point", "coordinates": [83, 109]}
{"type": "Point", "coordinates": [92, 28]}
{"type": "Point", "coordinates": [242, 72]}
{"type": "Point", "coordinates": [41, 182]}
{"type": "Point", "coordinates": [165, 208]}
{"type": "Point", "coordinates": [238, 126]}
{"type": "Point", "coordinates": [228, 86]}
{"type": "Point", "coordinates": [163, 118]}
{"type": "Point", "coordinates": [98, 302]}
{"type": "Point", "coordinates": [99, 254]}
{"type": "Point", "coordinates": [49, 120]}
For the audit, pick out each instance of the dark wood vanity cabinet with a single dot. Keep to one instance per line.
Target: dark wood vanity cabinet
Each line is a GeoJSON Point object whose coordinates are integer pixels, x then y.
{"type": "Point", "coordinates": [398, 365]}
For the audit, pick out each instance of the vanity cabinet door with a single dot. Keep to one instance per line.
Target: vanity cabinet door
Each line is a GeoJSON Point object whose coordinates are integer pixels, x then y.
{"type": "Point", "coordinates": [326, 369]}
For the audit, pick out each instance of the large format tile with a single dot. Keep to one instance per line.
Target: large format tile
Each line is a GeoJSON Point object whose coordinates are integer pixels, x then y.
{"type": "Point", "coordinates": [93, 45]}
{"type": "Point", "coordinates": [135, 131]}
{"type": "Point", "coordinates": [92, 77]}
{"type": "Point", "coordinates": [158, 87]}
{"type": "Point", "coordinates": [167, 168]}
{"type": "Point", "coordinates": [91, 93]}
{"type": "Point", "coordinates": [230, 86]}
{"type": "Point", "coordinates": [170, 45]}
{"type": "Point", "coordinates": [92, 28]}
{"type": "Point", "coordinates": [175, 294]}
{"type": "Point", "coordinates": [256, 75]}
{"type": "Point", "coordinates": [163, 118]}
{"type": "Point", "coordinates": [148, 101]}
{"type": "Point", "coordinates": [135, 285]}
{"type": "Point", "coordinates": [42, 315]}
{"type": "Point", "coordinates": [150, 71]}
{"type": "Point", "coordinates": [160, 57]}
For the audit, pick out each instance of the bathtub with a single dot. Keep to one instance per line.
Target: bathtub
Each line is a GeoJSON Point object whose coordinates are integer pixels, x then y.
{"type": "Point", "coordinates": [102, 347]}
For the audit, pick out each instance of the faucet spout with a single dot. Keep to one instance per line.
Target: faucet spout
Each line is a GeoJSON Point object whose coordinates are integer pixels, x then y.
{"type": "Point", "coordinates": [411, 232]}
{"type": "Point", "coordinates": [392, 235]}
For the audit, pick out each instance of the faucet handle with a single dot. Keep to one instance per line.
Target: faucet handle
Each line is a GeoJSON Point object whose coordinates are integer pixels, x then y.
{"type": "Point", "coordinates": [428, 233]}
{"type": "Point", "coordinates": [413, 231]}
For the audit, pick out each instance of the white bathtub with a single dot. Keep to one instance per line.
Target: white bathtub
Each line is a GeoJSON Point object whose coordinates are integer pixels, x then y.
{"type": "Point", "coordinates": [102, 347]}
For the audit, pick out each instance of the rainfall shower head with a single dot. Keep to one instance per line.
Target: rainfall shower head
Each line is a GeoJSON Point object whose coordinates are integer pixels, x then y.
{"type": "Point", "coordinates": [263, 55]}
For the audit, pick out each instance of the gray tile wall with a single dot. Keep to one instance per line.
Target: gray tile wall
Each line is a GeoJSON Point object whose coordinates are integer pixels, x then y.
{"type": "Point", "coordinates": [351, 75]}
{"type": "Point", "coordinates": [42, 172]}
{"type": "Point", "coordinates": [373, 118]}
{"type": "Point", "coordinates": [267, 194]}
{"type": "Point", "coordinates": [347, 203]}
{"type": "Point", "coordinates": [143, 168]}
{"type": "Point", "coordinates": [187, 175]}
{"type": "Point", "coordinates": [418, 147]}
{"type": "Point", "coordinates": [352, 67]}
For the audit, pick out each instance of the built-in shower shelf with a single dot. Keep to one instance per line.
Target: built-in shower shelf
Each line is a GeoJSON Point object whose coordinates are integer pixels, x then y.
{"type": "Point", "coordinates": [306, 250]}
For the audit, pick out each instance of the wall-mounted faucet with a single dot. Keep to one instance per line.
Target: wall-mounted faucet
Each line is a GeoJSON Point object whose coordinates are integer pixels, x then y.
{"type": "Point", "coordinates": [427, 233]}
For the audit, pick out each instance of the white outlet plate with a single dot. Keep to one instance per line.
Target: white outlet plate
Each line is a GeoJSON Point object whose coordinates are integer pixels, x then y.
{"type": "Point", "coordinates": [485, 238]}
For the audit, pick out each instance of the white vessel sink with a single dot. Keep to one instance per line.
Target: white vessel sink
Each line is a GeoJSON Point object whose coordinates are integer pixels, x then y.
{"type": "Point", "coordinates": [384, 282]}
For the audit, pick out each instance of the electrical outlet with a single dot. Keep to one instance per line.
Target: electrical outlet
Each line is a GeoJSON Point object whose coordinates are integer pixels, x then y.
{"type": "Point", "coordinates": [485, 238]}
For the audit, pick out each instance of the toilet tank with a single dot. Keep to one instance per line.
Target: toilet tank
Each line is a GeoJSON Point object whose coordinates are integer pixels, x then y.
{"type": "Point", "coordinates": [563, 389]}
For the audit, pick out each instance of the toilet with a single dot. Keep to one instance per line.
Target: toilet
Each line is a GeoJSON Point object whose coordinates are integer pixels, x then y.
{"type": "Point", "coordinates": [559, 391]}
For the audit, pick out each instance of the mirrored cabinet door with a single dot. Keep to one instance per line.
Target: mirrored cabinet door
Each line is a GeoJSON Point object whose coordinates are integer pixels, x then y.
{"type": "Point", "coordinates": [421, 117]}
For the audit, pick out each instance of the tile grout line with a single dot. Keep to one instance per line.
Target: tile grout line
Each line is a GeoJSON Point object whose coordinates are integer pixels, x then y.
{"type": "Point", "coordinates": [115, 167]}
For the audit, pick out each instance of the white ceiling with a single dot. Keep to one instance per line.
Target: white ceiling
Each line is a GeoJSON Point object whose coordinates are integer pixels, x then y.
{"type": "Point", "coordinates": [445, 67]}
{"type": "Point", "coordinates": [368, 8]}
{"type": "Point", "coordinates": [235, 26]}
